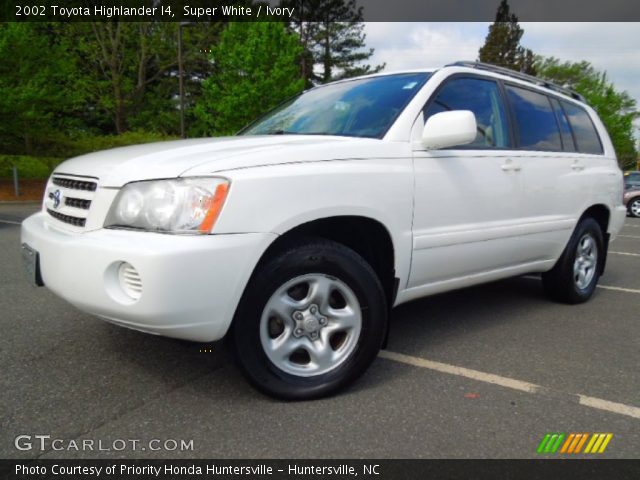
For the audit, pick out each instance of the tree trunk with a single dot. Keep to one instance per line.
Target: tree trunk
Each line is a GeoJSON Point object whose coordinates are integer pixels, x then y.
{"type": "Point", "coordinates": [327, 54]}
{"type": "Point", "coordinates": [120, 117]}
{"type": "Point", "coordinates": [28, 144]}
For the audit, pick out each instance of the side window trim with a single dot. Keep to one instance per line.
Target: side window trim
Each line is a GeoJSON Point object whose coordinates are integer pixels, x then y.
{"type": "Point", "coordinates": [555, 116]}
{"type": "Point", "coordinates": [511, 124]}
{"type": "Point", "coordinates": [573, 135]}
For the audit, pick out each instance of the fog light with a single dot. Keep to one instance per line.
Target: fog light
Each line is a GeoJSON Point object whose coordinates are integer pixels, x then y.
{"type": "Point", "coordinates": [130, 281]}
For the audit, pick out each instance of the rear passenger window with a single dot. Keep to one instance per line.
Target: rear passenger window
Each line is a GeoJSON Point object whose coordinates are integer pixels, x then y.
{"type": "Point", "coordinates": [536, 125]}
{"type": "Point", "coordinates": [587, 138]}
{"type": "Point", "coordinates": [483, 98]}
{"type": "Point", "coordinates": [565, 131]}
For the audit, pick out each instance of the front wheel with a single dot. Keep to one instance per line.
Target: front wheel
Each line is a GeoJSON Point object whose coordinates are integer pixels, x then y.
{"type": "Point", "coordinates": [312, 319]}
{"type": "Point", "coordinates": [574, 277]}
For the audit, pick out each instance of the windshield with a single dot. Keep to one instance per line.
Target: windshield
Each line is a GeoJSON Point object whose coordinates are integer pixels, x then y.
{"type": "Point", "coordinates": [357, 108]}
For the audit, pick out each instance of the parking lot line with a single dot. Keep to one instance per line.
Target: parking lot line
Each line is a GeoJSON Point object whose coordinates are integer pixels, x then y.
{"type": "Point", "coordinates": [10, 222]}
{"type": "Point", "coordinates": [619, 289]}
{"type": "Point", "coordinates": [604, 287]}
{"type": "Point", "coordinates": [629, 236]}
{"type": "Point", "coordinates": [587, 401]}
{"type": "Point", "coordinates": [626, 253]}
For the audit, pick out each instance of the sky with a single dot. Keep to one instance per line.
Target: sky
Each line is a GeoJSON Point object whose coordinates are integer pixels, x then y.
{"type": "Point", "coordinates": [613, 47]}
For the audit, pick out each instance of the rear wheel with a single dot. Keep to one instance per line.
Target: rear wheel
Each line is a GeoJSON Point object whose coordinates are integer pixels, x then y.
{"type": "Point", "coordinates": [634, 207]}
{"type": "Point", "coordinates": [574, 277]}
{"type": "Point", "coordinates": [312, 319]}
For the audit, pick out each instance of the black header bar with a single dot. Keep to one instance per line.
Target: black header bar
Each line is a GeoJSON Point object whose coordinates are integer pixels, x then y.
{"type": "Point", "coordinates": [285, 10]}
{"type": "Point", "coordinates": [543, 469]}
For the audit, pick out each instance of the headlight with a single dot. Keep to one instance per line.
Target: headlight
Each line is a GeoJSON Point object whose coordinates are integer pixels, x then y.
{"type": "Point", "coordinates": [185, 205]}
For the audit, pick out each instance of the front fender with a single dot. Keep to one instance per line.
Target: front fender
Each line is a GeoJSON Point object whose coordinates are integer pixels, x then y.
{"type": "Point", "coordinates": [278, 198]}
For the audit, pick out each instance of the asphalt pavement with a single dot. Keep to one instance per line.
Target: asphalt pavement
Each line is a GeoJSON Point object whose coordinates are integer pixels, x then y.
{"type": "Point", "coordinates": [483, 372]}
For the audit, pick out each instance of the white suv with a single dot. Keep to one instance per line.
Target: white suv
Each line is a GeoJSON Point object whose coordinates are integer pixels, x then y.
{"type": "Point", "coordinates": [297, 236]}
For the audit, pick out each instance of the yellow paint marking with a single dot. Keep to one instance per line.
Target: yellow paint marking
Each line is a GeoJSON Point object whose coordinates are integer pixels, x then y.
{"type": "Point", "coordinates": [606, 442]}
{"type": "Point", "coordinates": [590, 444]}
{"type": "Point", "coordinates": [599, 440]}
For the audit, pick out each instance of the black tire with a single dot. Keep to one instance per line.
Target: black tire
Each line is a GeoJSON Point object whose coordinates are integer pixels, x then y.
{"type": "Point", "coordinates": [634, 204]}
{"type": "Point", "coordinates": [560, 283]}
{"type": "Point", "coordinates": [309, 257]}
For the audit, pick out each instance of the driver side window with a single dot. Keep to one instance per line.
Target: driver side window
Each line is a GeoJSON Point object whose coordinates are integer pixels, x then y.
{"type": "Point", "coordinates": [483, 98]}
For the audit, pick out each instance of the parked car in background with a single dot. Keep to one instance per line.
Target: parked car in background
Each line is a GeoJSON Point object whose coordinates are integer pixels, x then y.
{"type": "Point", "coordinates": [632, 201]}
{"type": "Point", "coordinates": [296, 237]}
{"type": "Point", "coordinates": [631, 179]}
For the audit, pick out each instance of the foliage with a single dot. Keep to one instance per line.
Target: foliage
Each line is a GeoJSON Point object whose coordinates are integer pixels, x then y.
{"type": "Point", "coordinates": [123, 66]}
{"type": "Point", "coordinates": [28, 167]}
{"type": "Point", "coordinates": [502, 44]}
{"type": "Point", "coordinates": [38, 85]}
{"type": "Point", "coordinates": [616, 108]}
{"type": "Point", "coordinates": [334, 41]}
{"type": "Point", "coordinates": [255, 67]}
{"type": "Point", "coordinates": [62, 148]}
{"type": "Point", "coordinates": [91, 143]}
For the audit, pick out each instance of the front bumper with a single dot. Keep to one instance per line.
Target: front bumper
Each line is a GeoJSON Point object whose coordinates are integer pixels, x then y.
{"type": "Point", "coordinates": [191, 284]}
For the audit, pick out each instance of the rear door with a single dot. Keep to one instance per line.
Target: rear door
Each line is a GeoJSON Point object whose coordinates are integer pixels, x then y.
{"type": "Point", "coordinates": [552, 188]}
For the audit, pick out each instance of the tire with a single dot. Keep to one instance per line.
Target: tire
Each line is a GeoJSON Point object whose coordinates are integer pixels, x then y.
{"type": "Point", "coordinates": [633, 207]}
{"type": "Point", "coordinates": [311, 321]}
{"type": "Point", "coordinates": [574, 277]}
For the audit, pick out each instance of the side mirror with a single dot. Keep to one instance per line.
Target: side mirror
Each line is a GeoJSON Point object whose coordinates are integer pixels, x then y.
{"type": "Point", "coordinates": [448, 129]}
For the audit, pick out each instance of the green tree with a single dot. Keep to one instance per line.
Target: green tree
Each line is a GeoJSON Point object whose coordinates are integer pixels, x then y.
{"type": "Point", "coordinates": [256, 68]}
{"type": "Point", "coordinates": [130, 71]}
{"type": "Point", "coordinates": [38, 87]}
{"type": "Point", "coordinates": [502, 44]}
{"type": "Point", "coordinates": [121, 62]}
{"type": "Point", "coordinates": [617, 109]}
{"type": "Point", "coordinates": [334, 40]}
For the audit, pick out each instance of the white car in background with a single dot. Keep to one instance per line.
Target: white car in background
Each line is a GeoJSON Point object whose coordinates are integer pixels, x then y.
{"type": "Point", "coordinates": [297, 236]}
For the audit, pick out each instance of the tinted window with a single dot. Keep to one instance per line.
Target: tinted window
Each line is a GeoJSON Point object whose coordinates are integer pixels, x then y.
{"type": "Point", "coordinates": [357, 108]}
{"type": "Point", "coordinates": [587, 139]}
{"type": "Point", "coordinates": [482, 97]}
{"type": "Point", "coordinates": [536, 124]}
{"type": "Point", "coordinates": [565, 131]}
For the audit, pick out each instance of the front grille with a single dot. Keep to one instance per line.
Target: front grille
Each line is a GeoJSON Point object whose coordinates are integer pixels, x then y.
{"type": "Point", "coordinates": [77, 203]}
{"type": "Point", "coordinates": [78, 222]}
{"type": "Point", "coordinates": [75, 184]}
{"type": "Point", "coordinates": [68, 199]}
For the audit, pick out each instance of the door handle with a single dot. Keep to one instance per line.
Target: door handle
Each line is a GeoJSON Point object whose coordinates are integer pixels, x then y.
{"type": "Point", "coordinates": [577, 167]}
{"type": "Point", "coordinates": [509, 166]}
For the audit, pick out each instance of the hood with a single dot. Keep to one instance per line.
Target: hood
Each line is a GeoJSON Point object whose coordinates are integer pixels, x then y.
{"type": "Point", "coordinates": [204, 156]}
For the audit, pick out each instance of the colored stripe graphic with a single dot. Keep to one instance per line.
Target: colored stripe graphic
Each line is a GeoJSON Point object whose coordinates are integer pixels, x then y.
{"type": "Point", "coordinates": [550, 443]}
{"type": "Point", "coordinates": [598, 442]}
{"type": "Point", "coordinates": [581, 442]}
{"type": "Point", "coordinates": [574, 443]}
{"type": "Point", "coordinates": [543, 443]}
{"type": "Point", "coordinates": [567, 443]}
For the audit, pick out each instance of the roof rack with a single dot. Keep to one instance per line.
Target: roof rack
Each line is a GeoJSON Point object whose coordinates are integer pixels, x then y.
{"type": "Point", "coordinates": [520, 76]}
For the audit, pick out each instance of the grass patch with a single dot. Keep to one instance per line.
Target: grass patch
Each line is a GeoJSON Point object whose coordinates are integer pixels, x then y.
{"type": "Point", "coordinates": [28, 167]}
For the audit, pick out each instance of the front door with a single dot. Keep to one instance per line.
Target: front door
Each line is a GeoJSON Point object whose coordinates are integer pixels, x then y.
{"type": "Point", "coordinates": [466, 198]}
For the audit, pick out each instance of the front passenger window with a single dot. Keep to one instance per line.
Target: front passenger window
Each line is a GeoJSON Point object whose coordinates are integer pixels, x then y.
{"type": "Point", "coordinates": [483, 98]}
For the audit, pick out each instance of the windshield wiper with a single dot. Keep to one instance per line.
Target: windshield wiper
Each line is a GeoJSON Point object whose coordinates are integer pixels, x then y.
{"type": "Point", "coordinates": [283, 132]}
